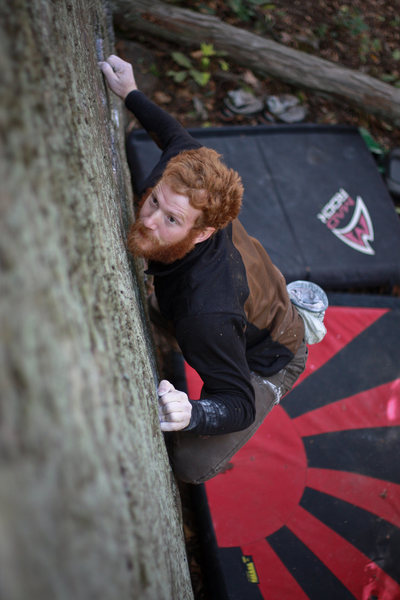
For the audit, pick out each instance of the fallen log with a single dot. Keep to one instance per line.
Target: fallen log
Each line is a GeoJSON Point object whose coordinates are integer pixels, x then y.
{"type": "Point", "coordinates": [266, 57]}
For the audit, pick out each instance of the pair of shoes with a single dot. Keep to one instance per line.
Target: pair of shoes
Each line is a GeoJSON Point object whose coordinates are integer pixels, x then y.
{"type": "Point", "coordinates": [285, 108]}
{"type": "Point", "coordinates": [244, 103]}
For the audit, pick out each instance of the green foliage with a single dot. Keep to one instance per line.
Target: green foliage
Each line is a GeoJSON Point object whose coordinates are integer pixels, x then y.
{"type": "Point", "coordinates": [321, 31]}
{"type": "Point", "coordinates": [182, 60]}
{"type": "Point", "coordinates": [200, 77]}
{"type": "Point", "coordinates": [199, 71]}
{"type": "Point", "coordinates": [352, 20]}
{"type": "Point", "coordinates": [245, 9]}
{"type": "Point", "coordinates": [378, 151]}
{"type": "Point", "coordinates": [207, 50]}
{"type": "Point", "coordinates": [392, 78]}
{"type": "Point", "coordinates": [371, 143]}
{"type": "Point", "coordinates": [368, 46]}
{"type": "Point", "coordinates": [177, 76]}
{"type": "Point", "coordinates": [154, 70]}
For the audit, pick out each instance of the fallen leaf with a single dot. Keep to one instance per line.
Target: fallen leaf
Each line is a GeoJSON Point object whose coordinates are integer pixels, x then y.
{"type": "Point", "coordinates": [250, 79]}
{"type": "Point", "coordinates": [162, 97]}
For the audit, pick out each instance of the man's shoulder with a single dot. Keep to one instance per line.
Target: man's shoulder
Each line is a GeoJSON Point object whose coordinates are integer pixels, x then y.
{"type": "Point", "coordinates": [217, 282]}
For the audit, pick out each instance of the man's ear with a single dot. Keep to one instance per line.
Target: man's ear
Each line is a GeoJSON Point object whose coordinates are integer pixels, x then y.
{"type": "Point", "coordinates": [204, 235]}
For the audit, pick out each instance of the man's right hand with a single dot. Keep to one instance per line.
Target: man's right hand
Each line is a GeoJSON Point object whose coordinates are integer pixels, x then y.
{"type": "Point", "coordinates": [175, 409]}
{"type": "Point", "coordinates": [119, 75]}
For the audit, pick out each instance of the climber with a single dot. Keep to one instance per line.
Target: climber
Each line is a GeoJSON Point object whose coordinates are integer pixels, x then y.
{"type": "Point", "coordinates": [228, 304]}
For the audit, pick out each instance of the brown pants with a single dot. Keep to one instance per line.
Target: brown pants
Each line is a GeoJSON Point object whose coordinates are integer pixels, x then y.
{"type": "Point", "coordinates": [196, 458]}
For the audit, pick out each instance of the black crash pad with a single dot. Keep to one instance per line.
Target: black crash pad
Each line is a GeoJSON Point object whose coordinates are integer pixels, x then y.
{"type": "Point", "coordinates": [313, 197]}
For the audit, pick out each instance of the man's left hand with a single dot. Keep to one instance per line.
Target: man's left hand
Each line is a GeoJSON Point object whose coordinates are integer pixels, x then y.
{"type": "Point", "coordinates": [119, 75]}
{"type": "Point", "coordinates": [175, 409]}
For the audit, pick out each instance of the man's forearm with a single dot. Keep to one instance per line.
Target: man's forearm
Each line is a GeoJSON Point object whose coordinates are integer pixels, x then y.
{"type": "Point", "coordinates": [162, 127]}
{"type": "Point", "coordinates": [213, 417]}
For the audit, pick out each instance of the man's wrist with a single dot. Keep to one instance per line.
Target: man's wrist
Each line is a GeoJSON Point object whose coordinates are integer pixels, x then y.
{"type": "Point", "coordinates": [134, 89]}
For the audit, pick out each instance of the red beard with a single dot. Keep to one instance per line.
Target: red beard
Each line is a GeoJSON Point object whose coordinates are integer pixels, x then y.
{"type": "Point", "coordinates": [141, 242]}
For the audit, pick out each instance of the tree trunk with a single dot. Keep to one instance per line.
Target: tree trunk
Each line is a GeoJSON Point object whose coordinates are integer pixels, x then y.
{"type": "Point", "coordinates": [88, 504]}
{"type": "Point", "coordinates": [259, 54]}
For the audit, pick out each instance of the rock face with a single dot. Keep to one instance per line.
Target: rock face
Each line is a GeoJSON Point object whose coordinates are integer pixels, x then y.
{"type": "Point", "coordinates": [88, 504]}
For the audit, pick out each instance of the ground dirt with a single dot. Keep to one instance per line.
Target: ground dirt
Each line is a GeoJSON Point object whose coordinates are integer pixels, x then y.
{"type": "Point", "coordinates": [363, 35]}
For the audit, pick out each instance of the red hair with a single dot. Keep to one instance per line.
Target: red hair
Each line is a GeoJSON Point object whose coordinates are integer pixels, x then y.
{"type": "Point", "coordinates": [210, 186]}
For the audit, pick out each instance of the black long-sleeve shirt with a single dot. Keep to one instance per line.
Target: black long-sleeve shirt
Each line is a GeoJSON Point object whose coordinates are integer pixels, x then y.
{"type": "Point", "coordinates": [227, 301]}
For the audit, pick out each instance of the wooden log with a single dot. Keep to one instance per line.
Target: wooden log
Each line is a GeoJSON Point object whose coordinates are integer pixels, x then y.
{"type": "Point", "coordinates": [266, 57]}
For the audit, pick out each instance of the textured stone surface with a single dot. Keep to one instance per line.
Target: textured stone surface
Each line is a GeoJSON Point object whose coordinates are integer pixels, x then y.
{"type": "Point", "coordinates": [88, 504]}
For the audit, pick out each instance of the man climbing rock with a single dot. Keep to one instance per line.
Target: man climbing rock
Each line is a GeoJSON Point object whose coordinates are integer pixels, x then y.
{"type": "Point", "coordinates": [227, 302]}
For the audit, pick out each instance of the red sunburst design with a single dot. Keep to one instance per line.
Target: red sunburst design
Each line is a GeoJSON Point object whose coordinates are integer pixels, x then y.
{"type": "Point", "coordinates": [262, 492]}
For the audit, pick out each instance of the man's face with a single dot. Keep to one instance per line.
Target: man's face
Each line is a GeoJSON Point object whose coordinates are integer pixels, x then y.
{"type": "Point", "coordinates": [164, 228]}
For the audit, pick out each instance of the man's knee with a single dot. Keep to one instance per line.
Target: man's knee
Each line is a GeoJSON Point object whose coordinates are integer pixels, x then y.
{"type": "Point", "coordinates": [197, 458]}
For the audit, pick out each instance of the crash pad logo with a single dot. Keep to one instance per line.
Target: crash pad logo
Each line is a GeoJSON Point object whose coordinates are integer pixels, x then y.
{"type": "Point", "coordinates": [250, 568]}
{"type": "Point", "coordinates": [358, 232]}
